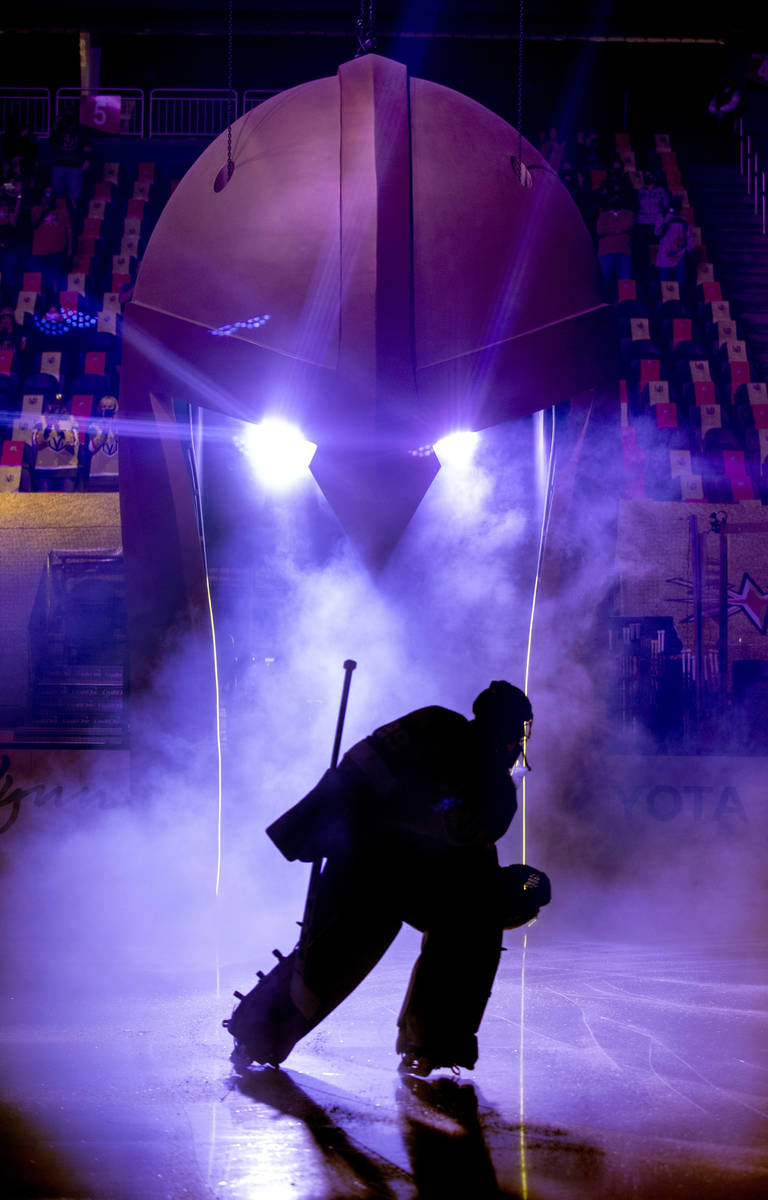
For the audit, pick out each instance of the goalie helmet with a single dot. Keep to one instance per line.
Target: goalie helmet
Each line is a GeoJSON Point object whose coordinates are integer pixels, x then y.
{"type": "Point", "coordinates": [505, 711]}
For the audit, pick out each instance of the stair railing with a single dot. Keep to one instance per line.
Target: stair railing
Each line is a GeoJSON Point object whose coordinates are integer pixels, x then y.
{"type": "Point", "coordinates": [749, 164]}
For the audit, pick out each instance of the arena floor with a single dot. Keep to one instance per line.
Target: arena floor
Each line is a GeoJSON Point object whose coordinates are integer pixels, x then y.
{"type": "Point", "coordinates": [606, 1070]}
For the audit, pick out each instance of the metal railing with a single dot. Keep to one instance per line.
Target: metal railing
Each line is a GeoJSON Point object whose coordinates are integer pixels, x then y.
{"type": "Point", "coordinates": [172, 112]}
{"type": "Point", "coordinates": [118, 111]}
{"type": "Point", "coordinates": [253, 97]}
{"type": "Point", "coordinates": [753, 169]}
{"type": "Point", "coordinates": [181, 112]}
{"type": "Point", "coordinates": [29, 107]}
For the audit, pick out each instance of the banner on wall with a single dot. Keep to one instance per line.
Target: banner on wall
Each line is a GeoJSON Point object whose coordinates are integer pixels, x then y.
{"type": "Point", "coordinates": [42, 789]}
{"type": "Point", "coordinates": [676, 795]}
{"type": "Point", "coordinates": [656, 574]}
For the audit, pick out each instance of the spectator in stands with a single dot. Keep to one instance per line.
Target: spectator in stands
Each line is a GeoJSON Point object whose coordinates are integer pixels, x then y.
{"type": "Point", "coordinates": [71, 158]}
{"type": "Point", "coordinates": [552, 148]}
{"type": "Point", "coordinates": [101, 447]}
{"type": "Point", "coordinates": [652, 204]}
{"type": "Point", "coordinates": [55, 442]}
{"type": "Point", "coordinates": [587, 155]}
{"type": "Point", "coordinates": [575, 184]}
{"type": "Point", "coordinates": [675, 243]}
{"type": "Point", "coordinates": [18, 188]}
{"type": "Point", "coordinates": [11, 334]}
{"type": "Point", "coordinates": [20, 149]}
{"type": "Point", "coordinates": [619, 184]}
{"type": "Point", "coordinates": [614, 248]}
{"type": "Point", "coordinates": [51, 239]}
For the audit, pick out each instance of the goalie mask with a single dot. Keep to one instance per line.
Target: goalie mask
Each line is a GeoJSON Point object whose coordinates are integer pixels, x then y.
{"type": "Point", "coordinates": [505, 716]}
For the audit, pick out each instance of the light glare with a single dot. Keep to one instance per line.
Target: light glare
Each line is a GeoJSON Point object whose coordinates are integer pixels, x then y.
{"type": "Point", "coordinates": [278, 453]}
{"type": "Point", "coordinates": [457, 449]}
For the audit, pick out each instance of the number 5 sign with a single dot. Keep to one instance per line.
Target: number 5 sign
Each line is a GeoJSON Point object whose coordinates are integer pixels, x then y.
{"type": "Point", "coordinates": [101, 112]}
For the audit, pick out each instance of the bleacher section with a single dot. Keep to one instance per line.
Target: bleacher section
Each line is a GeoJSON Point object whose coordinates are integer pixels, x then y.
{"type": "Point", "coordinates": [55, 432]}
{"type": "Point", "coordinates": [694, 414]}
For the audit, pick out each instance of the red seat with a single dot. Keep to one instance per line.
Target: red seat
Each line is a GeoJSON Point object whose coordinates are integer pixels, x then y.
{"type": "Point", "coordinates": [82, 263]}
{"type": "Point", "coordinates": [650, 369]}
{"type": "Point", "coordinates": [733, 464]}
{"type": "Point", "coordinates": [666, 416]}
{"type": "Point", "coordinates": [704, 392]}
{"type": "Point", "coordinates": [95, 363]}
{"type": "Point", "coordinates": [13, 454]}
{"type": "Point", "coordinates": [627, 289]}
{"type": "Point", "coordinates": [69, 301]}
{"type": "Point", "coordinates": [81, 407]}
{"type": "Point", "coordinates": [681, 330]}
{"type": "Point", "coordinates": [32, 282]}
{"type": "Point", "coordinates": [739, 373]}
{"type": "Point", "coordinates": [742, 488]}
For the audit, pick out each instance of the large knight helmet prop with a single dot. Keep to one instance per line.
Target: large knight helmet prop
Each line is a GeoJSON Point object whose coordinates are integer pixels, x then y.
{"type": "Point", "coordinates": [377, 266]}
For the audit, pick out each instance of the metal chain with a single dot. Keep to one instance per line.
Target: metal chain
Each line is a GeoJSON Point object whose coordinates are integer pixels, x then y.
{"type": "Point", "coordinates": [520, 89]}
{"type": "Point", "coordinates": [230, 39]}
{"type": "Point", "coordinates": [366, 38]}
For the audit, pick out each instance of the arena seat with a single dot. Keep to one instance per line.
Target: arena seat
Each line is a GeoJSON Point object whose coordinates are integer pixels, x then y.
{"type": "Point", "coordinates": [91, 385]}
{"type": "Point", "coordinates": [11, 464]}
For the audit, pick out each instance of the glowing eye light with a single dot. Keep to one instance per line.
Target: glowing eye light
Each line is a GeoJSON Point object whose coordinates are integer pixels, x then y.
{"type": "Point", "coordinates": [457, 449]}
{"type": "Point", "coordinates": [278, 453]}
{"type": "Point", "coordinates": [251, 323]}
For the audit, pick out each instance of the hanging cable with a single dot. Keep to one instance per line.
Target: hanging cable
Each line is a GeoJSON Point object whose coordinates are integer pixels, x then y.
{"type": "Point", "coordinates": [520, 87]}
{"type": "Point", "coordinates": [366, 38]}
{"type": "Point", "coordinates": [230, 97]}
{"type": "Point", "coordinates": [545, 518]}
{"type": "Point", "coordinates": [193, 467]}
{"type": "Point", "coordinates": [521, 170]}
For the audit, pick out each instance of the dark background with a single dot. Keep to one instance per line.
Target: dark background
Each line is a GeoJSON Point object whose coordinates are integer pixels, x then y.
{"type": "Point", "coordinates": [653, 65]}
